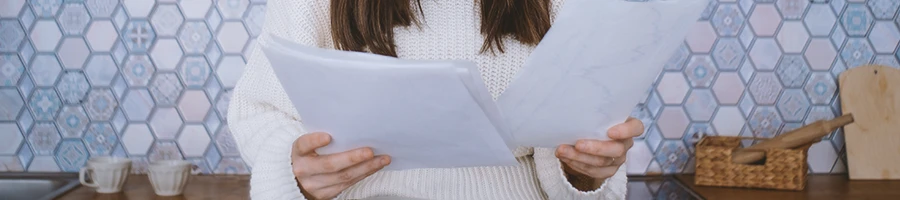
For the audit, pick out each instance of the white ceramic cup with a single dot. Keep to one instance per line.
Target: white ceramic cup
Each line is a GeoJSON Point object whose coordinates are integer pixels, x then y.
{"type": "Point", "coordinates": [168, 177]}
{"type": "Point", "coordinates": [108, 174]}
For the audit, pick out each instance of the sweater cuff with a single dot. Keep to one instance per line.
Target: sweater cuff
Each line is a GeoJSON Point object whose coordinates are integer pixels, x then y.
{"type": "Point", "coordinates": [554, 182]}
{"type": "Point", "coordinates": [266, 141]}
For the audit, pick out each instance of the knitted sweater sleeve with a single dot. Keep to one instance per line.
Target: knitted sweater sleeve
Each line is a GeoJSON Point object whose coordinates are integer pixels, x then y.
{"type": "Point", "coordinates": [556, 185]}
{"type": "Point", "coordinates": [260, 115]}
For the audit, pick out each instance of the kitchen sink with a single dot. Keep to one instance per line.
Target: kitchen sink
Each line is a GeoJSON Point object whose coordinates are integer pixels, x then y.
{"type": "Point", "coordinates": [36, 186]}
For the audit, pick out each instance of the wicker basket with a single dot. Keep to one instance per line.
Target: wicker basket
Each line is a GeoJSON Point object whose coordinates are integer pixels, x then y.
{"type": "Point", "coordinates": [784, 169]}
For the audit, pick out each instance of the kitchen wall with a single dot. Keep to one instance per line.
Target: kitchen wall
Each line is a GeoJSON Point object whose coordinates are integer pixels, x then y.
{"type": "Point", "coordinates": [152, 79]}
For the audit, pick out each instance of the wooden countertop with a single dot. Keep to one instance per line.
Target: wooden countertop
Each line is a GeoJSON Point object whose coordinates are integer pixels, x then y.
{"type": "Point", "coordinates": [819, 187]}
{"type": "Point", "coordinates": [219, 187]}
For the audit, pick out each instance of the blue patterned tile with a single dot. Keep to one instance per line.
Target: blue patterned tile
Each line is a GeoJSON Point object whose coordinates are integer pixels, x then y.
{"type": "Point", "coordinates": [765, 53]}
{"type": "Point", "coordinates": [213, 88]}
{"type": "Point", "coordinates": [676, 62]}
{"type": "Point", "coordinates": [821, 88]}
{"type": "Point", "coordinates": [728, 19]}
{"type": "Point", "coordinates": [137, 104]}
{"type": "Point", "coordinates": [194, 37]}
{"type": "Point", "coordinates": [792, 71]}
{"type": "Point", "coordinates": [138, 36]}
{"type": "Point", "coordinates": [746, 71]}
{"type": "Point", "coordinates": [27, 52]}
{"type": "Point", "coordinates": [101, 8]}
{"type": "Point", "coordinates": [26, 86]}
{"type": "Point", "coordinates": [138, 70]}
{"type": "Point", "coordinates": [256, 15]}
{"type": "Point", "coordinates": [672, 156]}
{"type": "Point", "coordinates": [819, 20]}
{"type": "Point", "coordinates": [72, 87]}
{"type": "Point", "coordinates": [100, 70]}
{"type": "Point", "coordinates": [25, 121]}
{"type": "Point", "coordinates": [166, 19]}
{"type": "Point", "coordinates": [43, 138]}
{"type": "Point", "coordinates": [196, 9]}
{"type": "Point", "coordinates": [194, 72]}
{"type": "Point", "coordinates": [214, 19]}
{"type": "Point", "coordinates": [11, 35]}
{"type": "Point", "coordinates": [883, 9]}
{"type": "Point", "coordinates": [695, 132]}
{"type": "Point", "coordinates": [838, 37]}
{"type": "Point", "coordinates": [225, 142]}
{"type": "Point", "coordinates": [165, 123]}
{"type": "Point", "coordinates": [765, 121]}
{"type": "Point", "coordinates": [222, 104]}
{"type": "Point", "coordinates": [44, 104]}
{"type": "Point", "coordinates": [817, 113]}
{"type": "Point", "coordinates": [71, 155]}
{"type": "Point", "coordinates": [119, 152]}
{"type": "Point", "coordinates": [793, 105]}
{"type": "Point", "coordinates": [700, 71]}
{"type": "Point", "coordinates": [232, 9]}
{"type": "Point", "coordinates": [166, 89]}
{"type": "Point", "coordinates": [884, 37]}
{"type": "Point", "coordinates": [792, 9]}
{"type": "Point", "coordinates": [886, 60]}
{"type": "Point", "coordinates": [167, 150]}
{"type": "Point", "coordinates": [73, 19]}
{"type": "Point", "coordinates": [639, 112]}
{"type": "Point", "coordinates": [728, 54]}
{"type": "Point", "coordinates": [654, 104]}
{"type": "Point", "coordinates": [119, 86]}
{"type": "Point", "coordinates": [27, 16]}
{"type": "Point", "coordinates": [100, 104]}
{"type": "Point", "coordinates": [857, 19]}
{"type": "Point", "coordinates": [100, 139]}
{"type": "Point", "coordinates": [838, 6]}
{"type": "Point", "coordinates": [119, 52]}
{"type": "Point", "coordinates": [120, 18]}
{"type": "Point", "coordinates": [838, 68]}
{"type": "Point", "coordinates": [746, 36]}
{"type": "Point", "coordinates": [44, 70]}
{"type": "Point", "coordinates": [46, 8]}
{"type": "Point", "coordinates": [72, 121]}
{"type": "Point", "coordinates": [199, 166]}
{"type": "Point", "coordinates": [25, 155]}
{"type": "Point", "coordinates": [118, 121]}
{"type": "Point", "coordinates": [788, 127]}
{"type": "Point", "coordinates": [707, 13]}
{"type": "Point", "coordinates": [765, 88]}
{"type": "Point", "coordinates": [212, 156]}
{"type": "Point", "coordinates": [232, 165]}
{"type": "Point", "coordinates": [700, 105]}
{"type": "Point", "coordinates": [653, 137]}
{"type": "Point", "coordinates": [857, 52]}
{"type": "Point", "coordinates": [214, 54]}
{"type": "Point", "coordinates": [10, 104]}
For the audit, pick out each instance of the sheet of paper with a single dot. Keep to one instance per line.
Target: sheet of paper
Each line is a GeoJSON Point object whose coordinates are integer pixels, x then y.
{"type": "Point", "coordinates": [592, 68]}
{"type": "Point", "coordinates": [421, 113]}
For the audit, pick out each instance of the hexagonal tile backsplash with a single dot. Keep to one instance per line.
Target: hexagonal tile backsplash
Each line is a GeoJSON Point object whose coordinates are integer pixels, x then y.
{"type": "Point", "coordinates": [151, 79]}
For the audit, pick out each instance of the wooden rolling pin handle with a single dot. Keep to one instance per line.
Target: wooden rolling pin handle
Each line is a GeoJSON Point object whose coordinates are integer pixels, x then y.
{"type": "Point", "coordinates": [804, 135]}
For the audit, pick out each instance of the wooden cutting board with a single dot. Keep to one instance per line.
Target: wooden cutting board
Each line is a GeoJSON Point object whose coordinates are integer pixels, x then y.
{"type": "Point", "coordinates": [872, 94]}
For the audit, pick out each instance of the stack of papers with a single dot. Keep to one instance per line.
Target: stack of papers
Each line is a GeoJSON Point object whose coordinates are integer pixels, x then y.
{"type": "Point", "coordinates": [588, 72]}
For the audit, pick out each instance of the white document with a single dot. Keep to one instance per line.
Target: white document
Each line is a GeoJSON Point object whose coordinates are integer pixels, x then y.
{"type": "Point", "coordinates": [593, 67]}
{"type": "Point", "coordinates": [586, 75]}
{"type": "Point", "coordinates": [423, 114]}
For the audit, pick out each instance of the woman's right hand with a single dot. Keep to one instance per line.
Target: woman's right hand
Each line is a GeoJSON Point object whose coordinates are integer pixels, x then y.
{"type": "Point", "coordinates": [326, 176]}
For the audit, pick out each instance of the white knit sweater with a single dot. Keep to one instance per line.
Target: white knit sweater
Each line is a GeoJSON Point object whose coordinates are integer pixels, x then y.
{"type": "Point", "coordinates": [265, 124]}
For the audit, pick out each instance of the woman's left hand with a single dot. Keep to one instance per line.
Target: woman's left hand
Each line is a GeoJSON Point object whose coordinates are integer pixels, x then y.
{"type": "Point", "coordinates": [597, 159]}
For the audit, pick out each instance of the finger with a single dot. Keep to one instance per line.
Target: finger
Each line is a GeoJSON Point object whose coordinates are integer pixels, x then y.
{"type": "Point", "coordinates": [593, 172]}
{"type": "Point", "coordinates": [329, 192]}
{"type": "Point", "coordinates": [308, 143]}
{"type": "Point", "coordinates": [631, 128]}
{"type": "Point", "coordinates": [628, 143]}
{"type": "Point", "coordinates": [619, 161]}
{"type": "Point", "coordinates": [351, 175]}
{"type": "Point", "coordinates": [613, 149]}
{"type": "Point", "coordinates": [574, 166]}
{"type": "Point", "coordinates": [571, 153]}
{"type": "Point", "coordinates": [339, 161]}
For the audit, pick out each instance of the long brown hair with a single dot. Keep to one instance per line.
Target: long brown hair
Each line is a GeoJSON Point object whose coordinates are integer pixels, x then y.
{"type": "Point", "coordinates": [360, 25]}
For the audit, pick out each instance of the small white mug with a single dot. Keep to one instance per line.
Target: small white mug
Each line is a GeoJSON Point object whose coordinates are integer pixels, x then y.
{"type": "Point", "coordinates": [108, 174]}
{"type": "Point", "coordinates": [168, 177]}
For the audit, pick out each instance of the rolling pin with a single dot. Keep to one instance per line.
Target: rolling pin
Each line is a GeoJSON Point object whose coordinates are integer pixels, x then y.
{"type": "Point", "coordinates": [796, 138]}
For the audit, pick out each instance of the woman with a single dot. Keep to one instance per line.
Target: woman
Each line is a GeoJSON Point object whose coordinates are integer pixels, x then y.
{"type": "Point", "coordinates": [496, 34]}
